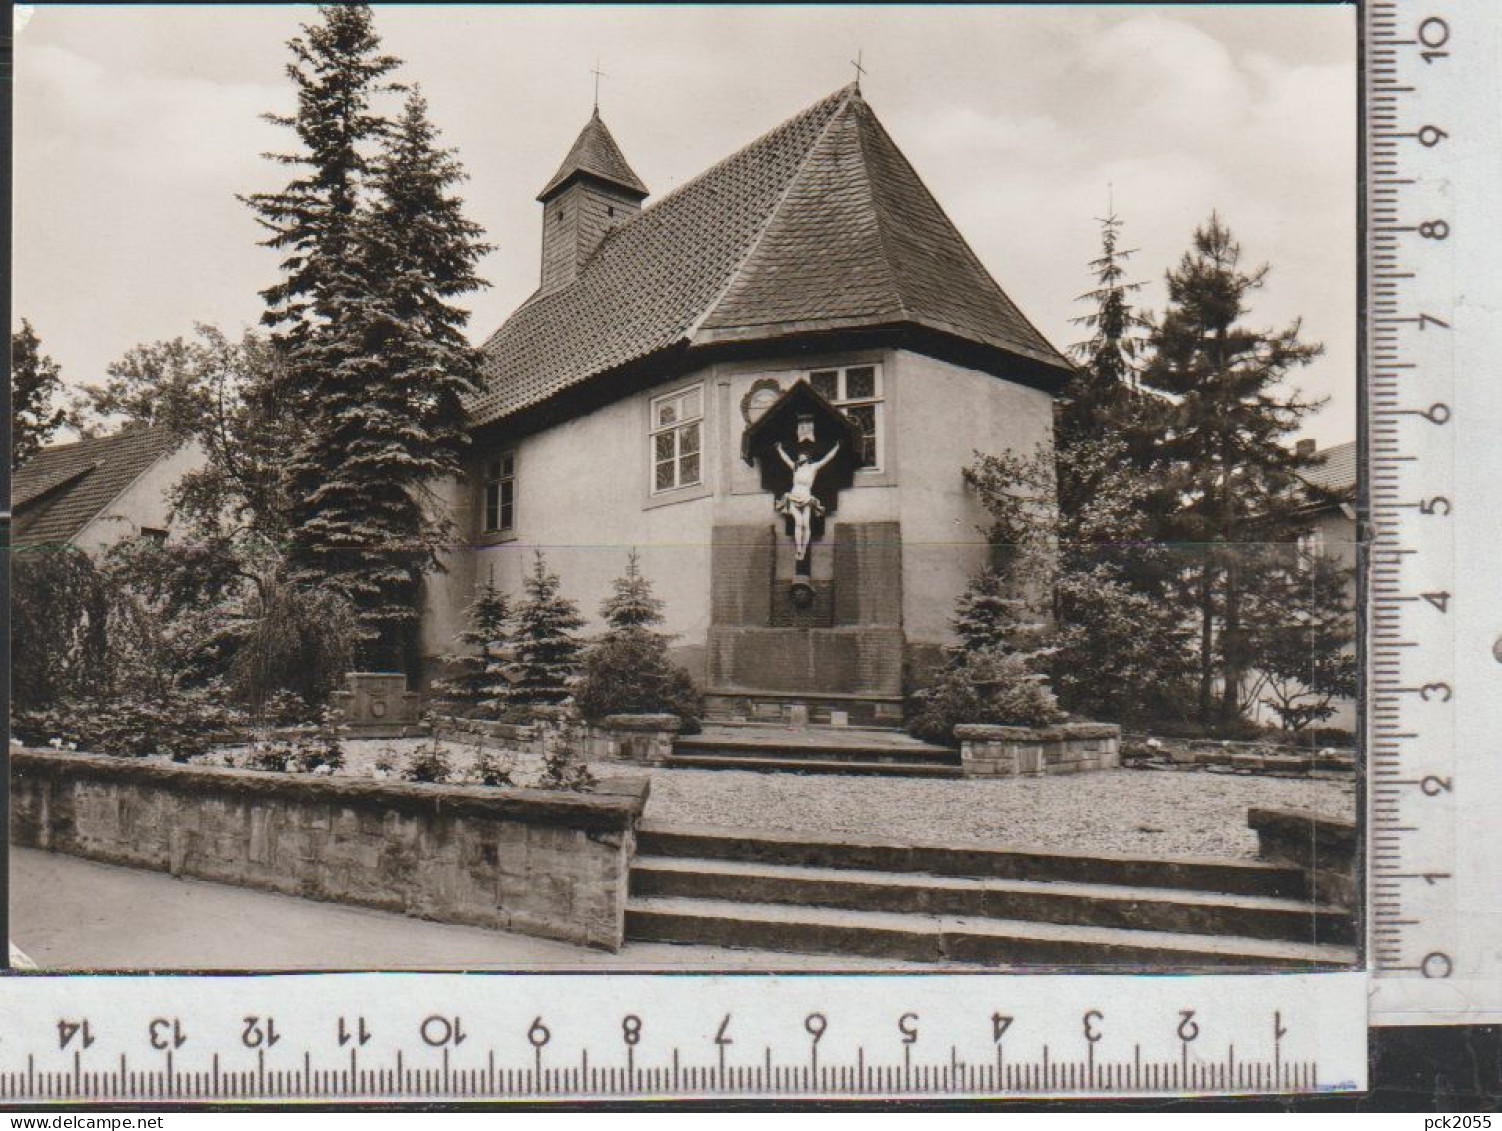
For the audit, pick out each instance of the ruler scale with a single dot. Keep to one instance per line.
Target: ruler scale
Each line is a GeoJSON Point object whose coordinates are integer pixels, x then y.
{"type": "Point", "coordinates": [1431, 348]}
{"type": "Point", "coordinates": [1432, 202]}
{"type": "Point", "coordinates": [544, 1036]}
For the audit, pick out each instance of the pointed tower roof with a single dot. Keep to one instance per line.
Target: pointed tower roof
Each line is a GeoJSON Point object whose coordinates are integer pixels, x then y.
{"type": "Point", "coordinates": [819, 226]}
{"type": "Point", "coordinates": [595, 154]}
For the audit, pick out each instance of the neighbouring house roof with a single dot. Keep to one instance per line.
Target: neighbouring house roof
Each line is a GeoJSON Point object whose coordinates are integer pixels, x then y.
{"type": "Point", "coordinates": [595, 154]}
{"type": "Point", "coordinates": [63, 488]}
{"type": "Point", "coordinates": [819, 225]}
{"type": "Point", "coordinates": [1336, 471]}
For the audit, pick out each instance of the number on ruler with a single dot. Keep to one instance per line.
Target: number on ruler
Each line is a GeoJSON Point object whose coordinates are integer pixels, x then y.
{"type": "Point", "coordinates": [438, 1031]}
{"type": "Point", "coordinates": [1091, 1022]}
{"type": "Point", "coordinates": [255, 1034]}
{"type": "Point", "coordinates": [907, 1025]}
{"type": "Point", "coordinates": [1434, 33]}
{"type": "Point", "coordinates": [1437, 413]}
{"type": "Point", "coordinates": [67, 1030]}
{"type": "Point", "coordinates": [816, 1024]}
{"type": "Point", "coordinates": [1440, 600]}
{"type": "Point", "coordinates": [1188, 1027]}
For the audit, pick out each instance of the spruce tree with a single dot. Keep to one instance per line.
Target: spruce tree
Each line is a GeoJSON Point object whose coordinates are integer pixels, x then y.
{"type": "Point", "coordinates": [545, 639]}
{"type": "Point", "coordinates": [988, 614]}
{"type": "Point", "coordinates": [632, 604]}
{"type": "Point", "coordinates": [628, 670]}
{"type": "Point", "coordinates": [479, 676]}
{"type": "Point", "coordinates": [1232, 475]}
{"type": "Point", "coordinates": [376, 360]}
{"type": "Point", "coordinates": [1102, 387]}
{"type": "Point", "coordinates": [339, 70]}
{"type": "Point", "coordinates": [35, 380]}
{"type": "Point", "coordinates": [1301, 621]}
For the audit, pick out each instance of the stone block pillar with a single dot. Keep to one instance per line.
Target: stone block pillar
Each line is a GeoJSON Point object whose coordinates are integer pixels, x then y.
{"type": "Point", "coordinates": [378, 705]}
{"type": "Point", "coordinates": [636, 738]}
{"type": "Point", "coordinates": [1069, 748]}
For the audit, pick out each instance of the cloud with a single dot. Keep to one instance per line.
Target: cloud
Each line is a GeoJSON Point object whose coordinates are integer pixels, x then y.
{"type": "Point", "coordinates": [153, 125]}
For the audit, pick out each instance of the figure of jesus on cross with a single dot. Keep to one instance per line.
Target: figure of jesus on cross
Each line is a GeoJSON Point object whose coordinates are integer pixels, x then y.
{"type": "Point", "coordinates": [800, 502]}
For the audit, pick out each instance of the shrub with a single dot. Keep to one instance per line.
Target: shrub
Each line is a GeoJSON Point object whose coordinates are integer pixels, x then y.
{"type": "Point", "coordinates": [285, 708]}
{"type": "Point", "coordinates": [60, 607]}
{"type": "Point", "coordinates": [429, 762]}
{"type": "Point", "coordinates": [562, 769]}
{"type": "Point", "coordinates": [178, 724]}
{"type": "Point", "coordinates": [630, 673]}
{"type": "Point", "coordinates": [320, 749]}
{"type": "Point", "coordinates": [292, 640]}
{"type": "Point", "coordinates": [490, 768]}
{"type": "Point", "coordinates": [983, 687]}
{"type": "Point", "coordinates": [273, 755]}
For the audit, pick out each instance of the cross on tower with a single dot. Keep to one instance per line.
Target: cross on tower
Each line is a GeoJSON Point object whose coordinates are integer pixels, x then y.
{"type": "Point", "coordinates": [598, 74]}
{"type": "Point", "coordinates": [859, 70]}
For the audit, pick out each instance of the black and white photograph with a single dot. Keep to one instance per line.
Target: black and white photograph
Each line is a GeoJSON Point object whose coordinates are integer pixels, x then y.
{"type": "Point", "coordinates": [679, 488]}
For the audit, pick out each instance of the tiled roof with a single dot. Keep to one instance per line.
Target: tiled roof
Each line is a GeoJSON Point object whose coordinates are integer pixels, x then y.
{"type": "Point", "coordinates": [595, 153]}
{"type": "Point", "coordinates": [819, 224]}
{"type": "Point", "coordinates": [61, 489]}
{"type": "Point", "coordinates": [1336, 473]}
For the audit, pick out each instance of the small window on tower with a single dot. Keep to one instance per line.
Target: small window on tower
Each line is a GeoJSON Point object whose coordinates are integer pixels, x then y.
{"type": "Point", "coordinates": [610, 210]}
{"type": "Point", "coordinates": [500, 494]}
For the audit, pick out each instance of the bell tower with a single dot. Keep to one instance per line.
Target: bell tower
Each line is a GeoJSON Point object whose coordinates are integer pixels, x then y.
{"type": "Point", "coordinates": [592, 191]}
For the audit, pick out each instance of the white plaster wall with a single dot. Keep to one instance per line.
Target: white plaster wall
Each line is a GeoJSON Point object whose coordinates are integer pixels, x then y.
{"type": "Point", "coordinates": [947, 414]}
{"type": "Point", "coordinates": [582, 492]}
{"type": "Point", "coordinates": [143, 504]}
{"type": "Point", "coordinates": [582, 499]}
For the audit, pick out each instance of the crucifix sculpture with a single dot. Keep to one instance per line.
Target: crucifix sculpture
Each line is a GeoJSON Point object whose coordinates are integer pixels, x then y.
{"type": "Point", "coordinates": [807, 451]}
{"type": "Point", "coordinates": [800, 502]}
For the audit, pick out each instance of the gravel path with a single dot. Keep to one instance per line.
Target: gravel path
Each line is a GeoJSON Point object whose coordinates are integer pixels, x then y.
{"type": "Point", "coordinates": [1130, 811]}
{"type": "Point", "coordinates": [1152, 812]}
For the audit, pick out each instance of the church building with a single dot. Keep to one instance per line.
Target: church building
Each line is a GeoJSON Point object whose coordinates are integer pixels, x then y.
{"type": "Point", "coordinates": [769, 383]}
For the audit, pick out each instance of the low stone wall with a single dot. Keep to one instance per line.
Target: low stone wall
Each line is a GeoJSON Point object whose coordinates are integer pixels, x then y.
{"type": "Point", "coordinates": [647, 739]}
{"type": "Point", "coordinates": [1327, 849]}
{"type": "Point", "coordinates": [1069, 748]}
{"type": "Point", "coordinates": [1239, 757]}
{"type": "Point", "coordinates": [537, 862]}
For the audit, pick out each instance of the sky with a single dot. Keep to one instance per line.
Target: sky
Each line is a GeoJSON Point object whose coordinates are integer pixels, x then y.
{"type": "Point", "coordinates": [137, 126]}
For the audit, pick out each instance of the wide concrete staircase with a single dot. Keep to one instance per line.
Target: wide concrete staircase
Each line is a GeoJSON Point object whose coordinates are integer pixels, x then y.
{"type": "Point", "coordinates": [813, 749]}
{"type": "Point", "coordinates": [975, 904]}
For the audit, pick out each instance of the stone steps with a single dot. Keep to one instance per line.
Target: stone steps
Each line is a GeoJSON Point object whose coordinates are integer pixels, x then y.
{"type": "Point", "coordinates": [801, 764]}
{"type": "Point", "coordinates": [832, 745]}
{"type": "Point", "coordinates": [944, 938]}
{"type": "Point", "coordinates": [813, 749]}
{"type": "Point", "coordinates": [732, 706]}
{"type": "Point", "coordinates": [1077, 904]}
{"type": "Point", "coordinates": [978, 860]}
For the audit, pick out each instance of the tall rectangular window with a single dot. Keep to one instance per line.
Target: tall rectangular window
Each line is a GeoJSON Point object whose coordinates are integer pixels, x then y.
{"type": "Point", "coordinates": [677, 439]}
{"type": "Point", "coordinates": [500, 494]}
{"type": "Point", "coordinates": [856, 391]}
